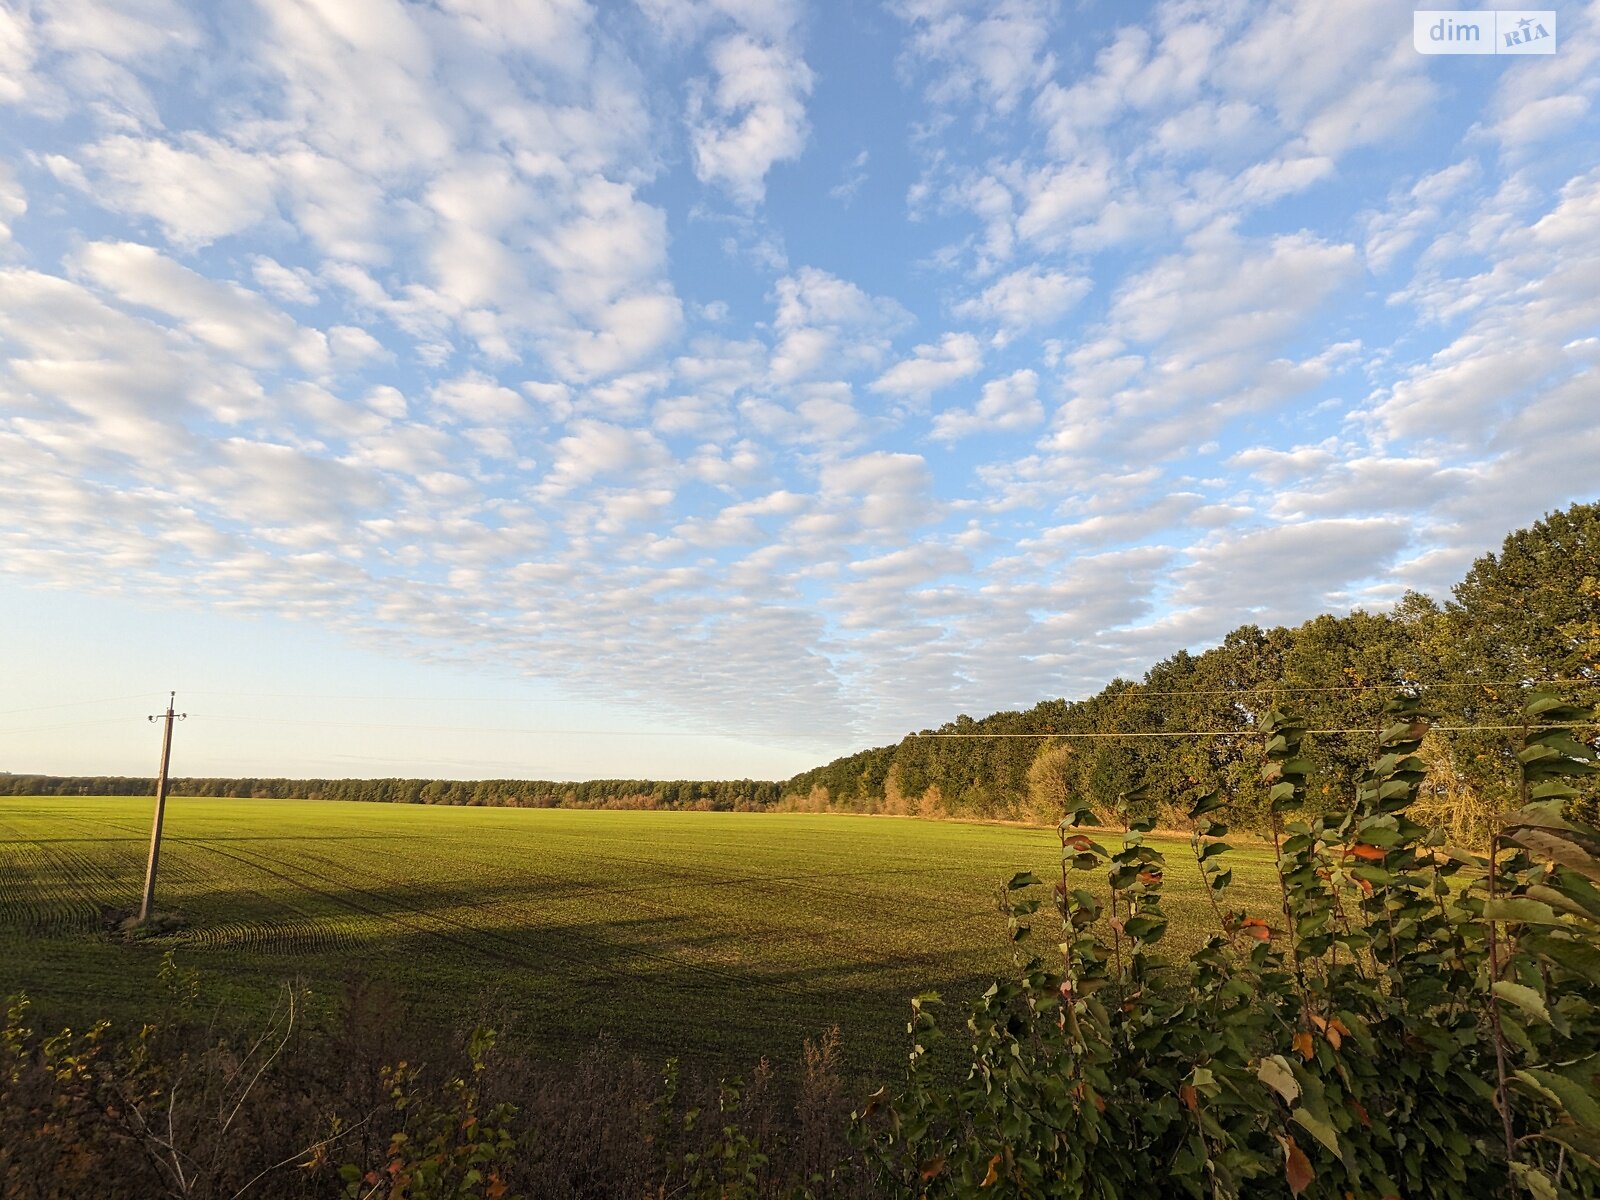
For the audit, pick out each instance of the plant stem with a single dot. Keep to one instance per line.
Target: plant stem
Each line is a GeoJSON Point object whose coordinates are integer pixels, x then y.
{"type": "Point", "coordinates": [1502, 1097]}
{"type": "Point", "coordinates": [1288, 919]}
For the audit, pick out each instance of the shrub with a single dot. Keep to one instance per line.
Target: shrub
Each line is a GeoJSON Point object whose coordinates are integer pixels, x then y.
{"type": "Point", "coordinates": [1417, 1020]}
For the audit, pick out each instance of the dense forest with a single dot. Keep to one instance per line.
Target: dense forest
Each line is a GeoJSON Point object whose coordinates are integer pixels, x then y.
{"type": "Point", "coordinates": [1529, 612]}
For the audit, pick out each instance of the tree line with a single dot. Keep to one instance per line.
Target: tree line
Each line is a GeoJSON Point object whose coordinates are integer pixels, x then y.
{"type": "Point", "coordinates": [1529, 612]}
{"type": "Point", "coordinates": [718, 795]}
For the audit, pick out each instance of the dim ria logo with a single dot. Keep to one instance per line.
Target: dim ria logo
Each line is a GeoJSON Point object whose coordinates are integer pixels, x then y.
{"type": "Point", "coordinates": [1484, 31]}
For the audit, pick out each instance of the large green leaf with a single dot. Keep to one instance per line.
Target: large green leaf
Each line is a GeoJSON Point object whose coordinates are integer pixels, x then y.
{"type": "Point", "coordinates": [1577, 1101]}
{"type": "Point", "coordinates": [1520, 908]}
{"type": "Point", "coordinates": [1524, 997]}
{"type": "Point", "coordinates": [1318, 1128]}
{"type": "Point", "coordinates": [1534, 1181]}
{"type": "Point", "coordinates": [1558, 899]}
{"type": "Point", "coordinates": [1549, 844]}
{"type": "Point", "coordinates": [1583, 1142]}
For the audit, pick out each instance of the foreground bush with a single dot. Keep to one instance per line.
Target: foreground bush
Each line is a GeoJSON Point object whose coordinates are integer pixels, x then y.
{"type": "Point", "coordinates": [1416, 1020]}
{"type": "Point", "coordinates": [188, 1108]}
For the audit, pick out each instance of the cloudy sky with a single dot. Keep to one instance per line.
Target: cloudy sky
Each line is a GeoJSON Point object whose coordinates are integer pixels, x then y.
{"type": "Point", "coordinates": [710, 387]}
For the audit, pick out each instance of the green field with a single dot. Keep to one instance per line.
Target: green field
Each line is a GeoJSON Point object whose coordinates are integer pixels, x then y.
{"type": "Point", "coordinates": [715, 936]}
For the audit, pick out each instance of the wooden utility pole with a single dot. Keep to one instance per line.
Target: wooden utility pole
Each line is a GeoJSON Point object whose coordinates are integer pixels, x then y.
{"type": "Point", "coordinates": [161, 808]}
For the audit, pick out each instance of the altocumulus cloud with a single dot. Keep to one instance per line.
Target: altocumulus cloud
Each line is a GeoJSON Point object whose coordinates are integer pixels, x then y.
{"type": "Point", "coordinates": [424, 323]}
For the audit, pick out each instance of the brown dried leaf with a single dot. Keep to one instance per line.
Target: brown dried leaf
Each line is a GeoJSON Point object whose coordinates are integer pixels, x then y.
{"type": "Point", "coordinates": [993, 1177]}
{"type": "Point", "coordinates": [1296, 1167]}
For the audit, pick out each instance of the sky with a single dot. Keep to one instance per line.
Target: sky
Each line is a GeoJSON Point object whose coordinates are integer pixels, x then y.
{"type": "Point", "coordinates": [707, 388]}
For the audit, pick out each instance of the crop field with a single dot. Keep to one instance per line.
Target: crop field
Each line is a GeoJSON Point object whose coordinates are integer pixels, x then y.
{"type": "Point", "coordinates": [714, 936]}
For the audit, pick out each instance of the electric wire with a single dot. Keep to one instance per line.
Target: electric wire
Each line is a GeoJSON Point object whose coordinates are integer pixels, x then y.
{"type": "Point", "coordinates": [1133, 692]}
{"type": "Point", "coordinates": [1180, 733]}
{"type": "Point", "coordinates": [6, 712]}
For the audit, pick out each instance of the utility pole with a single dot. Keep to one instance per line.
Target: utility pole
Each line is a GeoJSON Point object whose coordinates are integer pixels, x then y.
{"type": "Point", "coordinates": [161, 808]}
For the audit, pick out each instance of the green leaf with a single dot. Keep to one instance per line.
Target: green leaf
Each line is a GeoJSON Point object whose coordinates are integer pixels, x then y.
{"type": "Point", "coordinates": [1534, 1181]}
{"type": "Point", "coordinates": [1550, 844]}
{"type": "Point", "coordinates": [1583, 1142]}
{"type": "Point", "coordinates": [1524, 997]}
{"type": "Point", "coordinates": [1542, 702]}
{"type": "Point", "coordinates": [1402, 731]}
{"type": "Point", "coordinates": [1317, 1128]}
{"type": "Point", "coordinates": [1021, 880]}
{"type": "Point", "coordinates": [1146, 929]}
{"type": "Point", "coordinates": [1520, 908]}
{"type": "Point", "coordinates": [1578, 957]}
{"type": "Point", "coordinates": [1577, 1101]}
{"type": "Point", "coordinates": [1462, 855]}
{"type": "Point", "coordinates": [1378, 835]}
{"type": "Point", "coordinates": [1560, 900]}
{"type": "Point", "coordinates": [1209, 802]}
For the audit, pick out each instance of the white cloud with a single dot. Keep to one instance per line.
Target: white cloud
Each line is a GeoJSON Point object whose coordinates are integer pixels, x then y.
{"type": "Point", "coordinates": [118, 379]}
{"type": "Point", "coordinates": [1551, 98]}
{"type": "Point", "coordinates": [226, 316]}
{"type": "Point", "coordinates": [1225, 294]}
{"type": "Point", "coordinates": [883, 494]}
{"type": "Point", "coordinates": [293, 285]}
{"type": "Point", "coordinates": [198, 190]}
{"type": "Point", "coordinates": [13, 201]}
{"type": "Point", "coordinates": [1525, 313]}
{"type": "Point", "coordinates": [77, 55]}
{"type": "Point", "coordinates": [541, 424]}
{"type": "Point", "coordinates": [1414, 212]}
{"type": "Point", "coordinates": [1062, 198]}
{"type": "Point", "coordinates": [352, 345]}
{"type": "Point", "coordinates": [1286, 573]}
{"type": "Point", "coordinates": [932, 367]}
{"type": "Point", "coordinates": [593, 449]}
{"type": "Point", "coordinates": [752, 117]}
{"type": "Point", "coordinates": [1025, 298]}
{"type": "Point", "coordinates": [856, 175]}
{"type": "Point", "coordinates": [17, 52]}
{"type": "Point", "coordinates": [1007, 405]}
{"type": "Point", "coordinates": [996, 53]}
{"type": "Point", "coordinates": [395, 120]}
{"type": "Point", "coordinates": [828, 323]}
{"type": "Point", "coordinates": [476, 397]}
{"type": "Point", "coordinates": [269, 484]}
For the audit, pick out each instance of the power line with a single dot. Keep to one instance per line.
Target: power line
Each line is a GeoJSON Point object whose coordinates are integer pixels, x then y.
{"type": "Point", "coordinates": [1138, 690]}
{"type": "Point", "coordinates": [630, 733]}
{"type": "Point", "coordinates": [65, 725]}
{"type": "Point", "coordinates": [681, 733]}
{"type": "Point", "coordinates": [1181, 733]}
{"type": "Point", "coordinates": [6, 712]}
{"type": "Point", "coordinates": [407, 699]}
{"type": "Point", "coordinates": [1133, 691]}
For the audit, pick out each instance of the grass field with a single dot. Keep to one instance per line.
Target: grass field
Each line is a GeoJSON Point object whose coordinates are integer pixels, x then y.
{"type": "Point", "coordinates": [713, 936]}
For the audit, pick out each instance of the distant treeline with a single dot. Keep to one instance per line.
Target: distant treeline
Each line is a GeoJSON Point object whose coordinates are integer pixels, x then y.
{"type": "Point", "coordinates": [726, 795]}
{"type": "Point", "coordinates": [1531, 612]}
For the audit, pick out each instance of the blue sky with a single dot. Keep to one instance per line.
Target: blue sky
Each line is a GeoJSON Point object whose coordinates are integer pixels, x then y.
{"type": "Point", "coordinates": [681, 388]}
